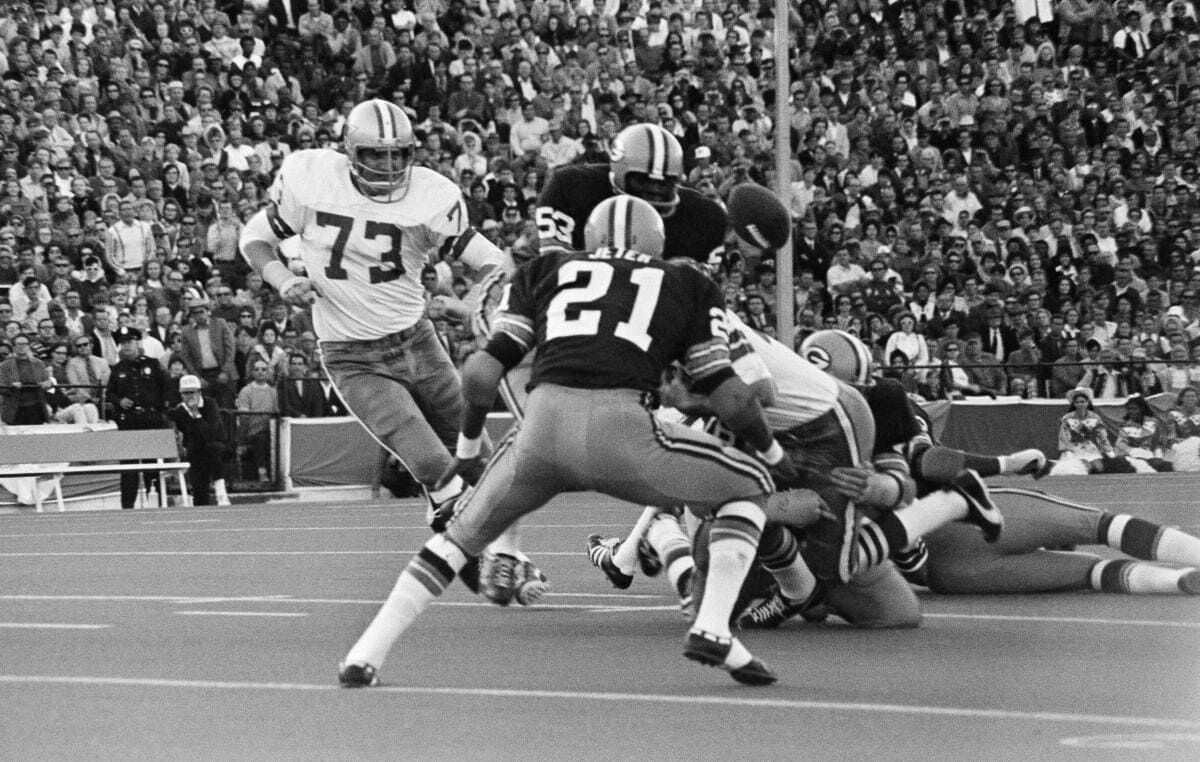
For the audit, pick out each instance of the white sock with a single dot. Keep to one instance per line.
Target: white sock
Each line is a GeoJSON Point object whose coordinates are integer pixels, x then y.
{"type": "Point", "coordinates": [796, 582]}
{"type": "Point", "coordinates": [673, 548]}
{"type": "Point", "coordinates": [1137, 577]}
{"type": "Point", "coordinates": [932, 511]}
{"type": "Point", "coordinates": [1176, 547]}
{"type": "Point", "coordinates": [411, 595]}
{"type": "Point", "coordinates": [509, 543]}
{"type": "Point", "coordinates": [731, 550]}
{"type": "Point", "coordinates": [451, 489]}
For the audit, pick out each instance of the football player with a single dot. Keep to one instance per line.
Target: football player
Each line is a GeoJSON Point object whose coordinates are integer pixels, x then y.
{"type": "Point", "coordinates": [646, 161]}
{"type": "Point", "coordinates": [367, 221]}
{"type": "Point", "coordinates": [956, 559]}
{"type": "Point", "coordinates": [606, 323]}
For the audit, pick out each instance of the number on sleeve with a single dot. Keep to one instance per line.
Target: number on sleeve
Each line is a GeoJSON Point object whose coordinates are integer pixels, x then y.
{"type": "Point", "coordinates": [334, 270]}
{"type": "Point", "coordinates": [392, 256]}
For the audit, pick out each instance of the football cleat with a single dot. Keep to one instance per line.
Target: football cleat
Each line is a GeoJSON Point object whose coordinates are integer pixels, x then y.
{"type": "Point", "coordinates": [1025, 462]}
{"type": "Point", "coordinates": [1189, 582]}
{"type": "Point", "coordinates": [911, 562]}
{"type": "Point", "coordinates": [777, 609]}
{"type": "Point", "coordinates": [357, 676]}
{"type": "Point", "coordinates": [498, 577]}
{"type": "Point", "coordinates": [532, 585]}
{"type": "Point", "coordinates": [438, 515]}
{"type": "Point", "coordinates": [981, 511]}
{"type": "Point", "coordinates": [711, 650]}
{"type": "Point", "coordinates": [648, 558]}
{"type": "Point", "coordinates": [601, 550]}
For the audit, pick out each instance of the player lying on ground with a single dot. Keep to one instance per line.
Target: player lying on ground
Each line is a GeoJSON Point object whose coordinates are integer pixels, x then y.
{"type": "Point", "coordinates": [606, 323]}
{"type": "Point", "coordinates": [368, 221]}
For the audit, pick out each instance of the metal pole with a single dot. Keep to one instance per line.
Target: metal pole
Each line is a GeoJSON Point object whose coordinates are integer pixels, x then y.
{"type": "Point", "coordinates": [785, 313]}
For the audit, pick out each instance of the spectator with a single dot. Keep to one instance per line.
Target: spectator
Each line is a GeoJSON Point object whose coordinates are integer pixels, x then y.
{"type": "Point", "coordinates": [208, 350]}
{"type": "Point", "coordinates": [202, 434]}
{"type": "Point", "coordinates": [1083, 441]}
{"type": "Point", "coordinates": [1140, 438]}
{"type": "Point", "coordinates": [258, 403]}
{"type": "Point", "coordinates": [1184, 432]}
{"type": "Point", "coordinates": [298, 394]}
{"type": "Point", "coordinates": [24, 384]}
{"type": "Point", "coordinates": [87, 370]}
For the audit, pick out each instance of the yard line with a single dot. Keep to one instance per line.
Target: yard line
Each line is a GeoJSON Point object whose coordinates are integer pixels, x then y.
{"type": "Point", "coordinates": [595, 607]}
{"type": "Point", "coordinates": [790, 705]}
{"type": "Point", "coordinates": [1066, 620]}
{"type": "Point", "coordinates": [236, 529]}
{"type": "Point", "coordinates": [241, 613]}
{"type": "Point", "coordinates": [50, 626]}
{"type": "Point", "coordinates": [99, 553]}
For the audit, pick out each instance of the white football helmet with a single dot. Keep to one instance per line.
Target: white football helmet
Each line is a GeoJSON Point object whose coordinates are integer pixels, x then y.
{"type": "Point", "coordinates": [626, 223]}
{"type": "Point", "coordinates": [647, 162]}
{"type": "Point", "coordinates": [379, 141]}
{"type": "Point", "coordinates": [840, 354]}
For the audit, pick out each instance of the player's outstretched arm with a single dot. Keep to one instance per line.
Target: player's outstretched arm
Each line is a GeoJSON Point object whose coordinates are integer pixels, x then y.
{"type": "Point", "coordinates": [738, 408]}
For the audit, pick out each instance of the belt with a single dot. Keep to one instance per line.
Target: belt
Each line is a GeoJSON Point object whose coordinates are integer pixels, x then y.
{"type": "Point", "coordinates": [384, 342]}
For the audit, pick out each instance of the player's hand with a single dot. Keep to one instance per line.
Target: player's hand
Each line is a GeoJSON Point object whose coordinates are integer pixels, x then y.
{"type": "Point", "coordinates": [470, 469]}
{"type": "Point", "coordinates": [300, 291]}
{"type": "Point", "coordinates": [851, 482]}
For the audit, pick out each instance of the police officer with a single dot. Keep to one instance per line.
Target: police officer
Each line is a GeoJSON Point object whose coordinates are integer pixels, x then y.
{"type": "Point", "coordinates": [137, 391]}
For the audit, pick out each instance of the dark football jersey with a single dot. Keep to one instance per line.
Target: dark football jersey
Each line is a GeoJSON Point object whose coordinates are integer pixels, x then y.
{"type": "Point", "coordinates": [695, 230]}
{"type": "Point", "coordinates": [613, 320]}
{"type": "Point", "coordinates": [895, 422]}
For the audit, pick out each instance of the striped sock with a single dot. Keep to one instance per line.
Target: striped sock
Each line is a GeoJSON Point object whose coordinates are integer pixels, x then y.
{"type": "Point", "coordinates": [1136, 577]}
{"type": "Point", "coordinates": [871, 546]}
{"type": "Point", "coordinates": [672, 546]}
{"type": "Point", "coordinates": [731, 549]}
{"type": "Point", "coordinates": [423, 580]}
{"type": "Point", "coordinates": [780, 554]}
{"type": "Point", "coordinates": [1147, 540]}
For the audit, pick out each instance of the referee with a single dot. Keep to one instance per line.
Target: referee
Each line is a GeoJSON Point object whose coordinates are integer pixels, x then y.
{"type": "Point", "coordinates": [137, 391]}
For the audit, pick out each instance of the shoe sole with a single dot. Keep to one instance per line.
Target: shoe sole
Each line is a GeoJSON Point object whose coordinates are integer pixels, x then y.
{"type": "Point", "coordinates": [346, 680]}
{"type": "Point", "coordinates": [753, 673]}
{"type": "Point", "coordinates": [978, 506]}
{"type": "Point", "coordinates": [1189, 584]}
{"type": "Point", "coordinates": [1033, 467]}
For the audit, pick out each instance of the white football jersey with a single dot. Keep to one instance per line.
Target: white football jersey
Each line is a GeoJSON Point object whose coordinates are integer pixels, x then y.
{"type": "Point", "coordinates": [802, 390]}
{"type": "Point", "coordinates": [364, 256]}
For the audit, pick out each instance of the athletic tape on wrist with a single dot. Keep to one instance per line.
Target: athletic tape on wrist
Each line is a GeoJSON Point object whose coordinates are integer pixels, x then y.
{"type": "Point", "coordinates": [467, 448]}
{"type": "Point", "coordinates": [772, 454]}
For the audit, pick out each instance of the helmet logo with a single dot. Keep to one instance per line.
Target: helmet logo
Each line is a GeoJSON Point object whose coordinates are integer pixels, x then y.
{"type": "Point", "coordinates": [617, 151]}
{"type": "Point", "coordinates": [819, 357]}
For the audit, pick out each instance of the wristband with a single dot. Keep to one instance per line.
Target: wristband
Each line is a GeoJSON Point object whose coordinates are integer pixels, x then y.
{"type": "Point", "coordinates": [772, 454]}
{"type": "Point", "coordinates": [466, 449]}
{"type": "Point", "coordinates": [277, 275]}
{"type": "Point", "coordinates": [289, 283]}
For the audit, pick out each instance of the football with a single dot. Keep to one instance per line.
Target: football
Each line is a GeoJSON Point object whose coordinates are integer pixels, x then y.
{"type": "Point", "coordinates": [758, 217]}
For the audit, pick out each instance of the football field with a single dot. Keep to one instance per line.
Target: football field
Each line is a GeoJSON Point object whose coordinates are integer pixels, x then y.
{"type": "Point", "coordinates": [214, 633]}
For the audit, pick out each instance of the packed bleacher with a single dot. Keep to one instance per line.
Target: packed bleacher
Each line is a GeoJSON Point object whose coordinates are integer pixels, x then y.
{"type": "Point", "coordinates": [1000, 198]}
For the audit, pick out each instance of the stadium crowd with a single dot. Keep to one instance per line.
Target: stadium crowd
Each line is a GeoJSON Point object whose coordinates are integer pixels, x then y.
{"type": "Point", "coordinates": [999, 198]}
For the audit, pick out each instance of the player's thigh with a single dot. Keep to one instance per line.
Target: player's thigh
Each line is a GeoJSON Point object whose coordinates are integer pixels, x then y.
{"type": "Point", "coordinates": [435, 381]}
{"type": "Point", "coordinates": [1034, 519]}
{"type": "Point", "coordinates": [654, 462]}
{"type": "Point", "coordinates": [876, 597]}
{"type": "Point", "coordinates": [955, 570]}
{"type": "Point", "coordinates": [388, 410]}
{"type": "Point", "coordinates": [510, 487]}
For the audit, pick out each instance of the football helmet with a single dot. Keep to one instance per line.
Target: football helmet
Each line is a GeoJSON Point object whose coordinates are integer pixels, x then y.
{"type": "Point", "coordinates": [625, 223]}
{"type": "Point", "coordinates": [647, 162]}
{"type": "Point", "coordinates": [379, 141]}
{"type": "Point", "coordinates": [840, 354]}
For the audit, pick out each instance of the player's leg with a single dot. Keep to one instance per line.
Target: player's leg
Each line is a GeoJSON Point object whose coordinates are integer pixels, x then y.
{"type": "Point", "coordinates": [939, 465]}
{"type": "Point", "coordinates": [877, 597]}
{"type": "Point", "coordinates": [669, 464]}
{"type": "Point", "coordinates": [506, 491]}
{"type": "Point", "coordinates": [375, 384]}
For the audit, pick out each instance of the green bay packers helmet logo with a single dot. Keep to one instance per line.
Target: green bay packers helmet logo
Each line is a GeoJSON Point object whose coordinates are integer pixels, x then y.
{"type": "Point", "coordinates": [819, 357]}
{"type": "Point", "coordinates": [616, 151]}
